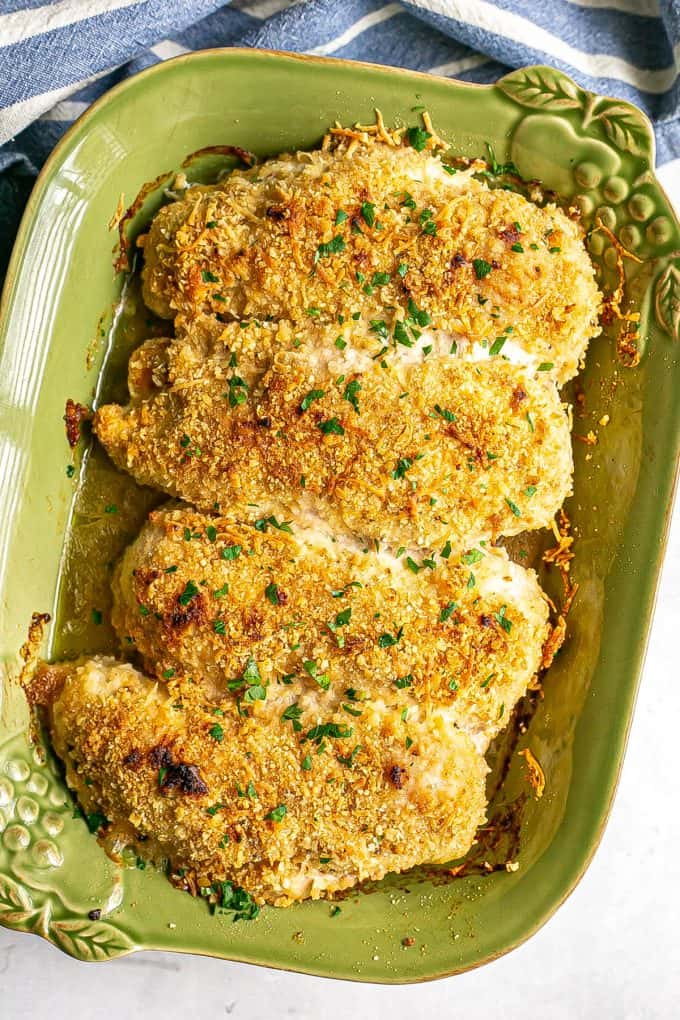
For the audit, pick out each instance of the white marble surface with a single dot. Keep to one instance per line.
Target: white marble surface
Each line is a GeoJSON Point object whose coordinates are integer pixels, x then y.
{"type": "Point", "coordinates": [612, 952]}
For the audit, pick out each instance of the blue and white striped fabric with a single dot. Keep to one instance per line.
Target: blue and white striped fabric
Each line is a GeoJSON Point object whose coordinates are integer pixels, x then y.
{"type": "Point", "coordinates": [57, 56]}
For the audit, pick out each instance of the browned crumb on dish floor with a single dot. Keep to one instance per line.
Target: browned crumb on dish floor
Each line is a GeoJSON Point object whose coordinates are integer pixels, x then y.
{"type": "Point", "coordinates": [122, 255]}
{"type": "Point", "coordinates": [627, 341]}
{"type": "Point", "coordinates": [74, 416]}
{"type": "Point", "coordinates": [561, 555]}
{"type": "Point", "coordinates": [498, 843]}
{"type": "Point", "coordinates": [29, 649]}
{"type": "Point", "coordinates": [535, 773]}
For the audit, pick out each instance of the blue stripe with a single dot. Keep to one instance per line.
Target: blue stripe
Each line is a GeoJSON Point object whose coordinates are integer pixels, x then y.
{"type": "Point", "coordinates": [415, 38]}
{"type": "Point", "coordinates": [36, 65]}
{"type": "Point", "coordinates": [405, 42]}
{"type": "Point", "coordinates": [323, 21]}
{"type": "Point", "coordinates": [10, 6]}
{"type": "Point", "coordinates": [520, 54]}
{"type": "Point", "coordinates": [639, 40]}
{"type": "Point", "coordinates": [223, 28]}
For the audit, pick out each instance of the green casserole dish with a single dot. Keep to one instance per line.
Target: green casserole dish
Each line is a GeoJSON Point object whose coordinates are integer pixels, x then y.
{"type": "Point", "coordinates": [68, 322]}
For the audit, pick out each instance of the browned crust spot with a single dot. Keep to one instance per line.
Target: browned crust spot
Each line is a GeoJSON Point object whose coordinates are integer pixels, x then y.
{"type": "Point", "coordinates": [75, 415]}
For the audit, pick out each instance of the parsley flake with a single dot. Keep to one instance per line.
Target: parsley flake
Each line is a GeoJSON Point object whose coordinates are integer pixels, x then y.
{"type": "Point", "coordinates": [310, 397]}
{"type": "Point", "coordinates": [418, 138]}
{"type": "Point", "coordinates": [482, 268]}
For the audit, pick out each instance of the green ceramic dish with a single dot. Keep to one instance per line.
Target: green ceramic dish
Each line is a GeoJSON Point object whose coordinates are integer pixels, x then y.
{"type": "Point", "coordinates": [59, 338]}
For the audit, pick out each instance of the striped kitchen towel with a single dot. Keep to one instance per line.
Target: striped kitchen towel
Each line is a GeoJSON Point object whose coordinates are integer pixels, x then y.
{"type": "Point", "coordinates": [57, 56]}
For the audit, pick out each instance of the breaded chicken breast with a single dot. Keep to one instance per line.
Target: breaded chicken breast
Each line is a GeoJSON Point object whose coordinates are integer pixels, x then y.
{"type": "Point", "coordinates": [201, 596]}
{"type": "Point", "coordinates": [392, 442]}
{"type": "Point", "coordinates": [362, 228]}
{"type": "Point", "coordinates": [287, 798]}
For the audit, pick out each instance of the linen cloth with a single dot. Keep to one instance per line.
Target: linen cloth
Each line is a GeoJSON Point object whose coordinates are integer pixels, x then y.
{"type": "Point", "coordinates": [57, 56]}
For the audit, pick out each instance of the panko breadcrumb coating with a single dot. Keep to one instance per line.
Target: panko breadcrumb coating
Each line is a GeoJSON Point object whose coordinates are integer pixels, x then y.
{"type": "Point", "coordinates": [302, 729]}
{"type": "Point", "coordinates": [361, 228]}
{"type": "Point", "coordinates": [200, 596]}
{"type": "Point", "coordinates": [394, 444]}
{"type": "Point", "coordinates": [360, 397]}
{"type": "Point", "coordinates": [287, 808]}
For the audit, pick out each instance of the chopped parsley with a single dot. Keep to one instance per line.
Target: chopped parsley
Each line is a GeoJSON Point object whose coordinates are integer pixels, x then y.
{"type": "Point", "coordinates": [513, 507]}
{"type": "Point", "coordinates": [336, 731]}
{"type": "Point", "coordinates": [379, 327]}
{"type": "Point", "coordinates": [310, 397]}
{"type": "Point", "coordinates": [418, 138]}
{"type": "Point", "coordinates": [401, 334]}
{"type": "Point", "coordinates": [231, 552]}
{"type": "Point", "coordinates": [348, 760]}
{"type": "Point", "coordinates": [331, 426]}
{"type": "Point", "coordinates": [404, 681]}
{"type": "Point", "coordinates": [96, 821]}
{"type": "Point", "coordinates": [209, 277]}
{"type": "Point", "coordinates": [97, 616]}
{"type": "Point", "coordinates": [238, 391]}
{"type": "Point", "coordinates": [498, 345]}
{"type": "Point", "coordinates": [502, 619]}
{"type": "Point", "coordinates": [447, 612]}
{"type": "Point", "coordinates": [219, 626]}
{"type": "Point", "coordinates": [249, 687]}
{"type": "Point", "coordinates": [333, 247]}
{"type": "Point", "coordinates": [350, 393]}
{"type": "Point", "coordinates": [272, 594]}
{"type": "Point", "coordinates": [190, 592]}
{"type": "Point", "coordinates": [322, 679]}
{"type": "Point", "coordinates": [231, 897]}
{"type": "Point", "coordinates": [340, 217]}
{"type": "Point", "coordinates": [499, 169]}
{"type": "Point", "coordinates": [263, 523]}
{"type": "Point", "coordinates": [277, 814]}
{"type": "Point", "coordinates": [217, 733]}
{"type": "Point", "coordinates": [482, 268]}
{"type": "Point", "coordinates": [342, 619]}
{"type": "Point", "coordinates": [403, 465]}
{"type": "Point", "coordinates": [444, 413]}
{"type": "Point", "coordinates": [389, 640]}
{"type": "Point", "coordinates": [446, 551]}
{"type": "Point", "coordinates": [292, 714]}
{"type": "Point", "coordinates": [473, 556]}
{"type": "Point", "coordinates": [421, 318]}
{"type": "Point", "coordinates": [368, 213]}
{"type": "Point", "coordinates": [545, 366]}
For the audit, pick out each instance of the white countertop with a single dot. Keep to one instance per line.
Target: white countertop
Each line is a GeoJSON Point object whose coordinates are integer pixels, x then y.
{"type": "Point", "coordinates": [611, 951]}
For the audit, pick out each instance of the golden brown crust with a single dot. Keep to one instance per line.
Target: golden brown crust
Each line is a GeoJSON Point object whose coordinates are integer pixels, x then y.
{"type": "Point", "coordinates": [267, 243]}
{"type": "Point", "coordinates": [316, 713]}
{"type": "Point", "coordinates": [402, 448]}
{"type": "Point", "coordinates": [200, 597]}
{"type": "Point", "coordinates": [287, 814]}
